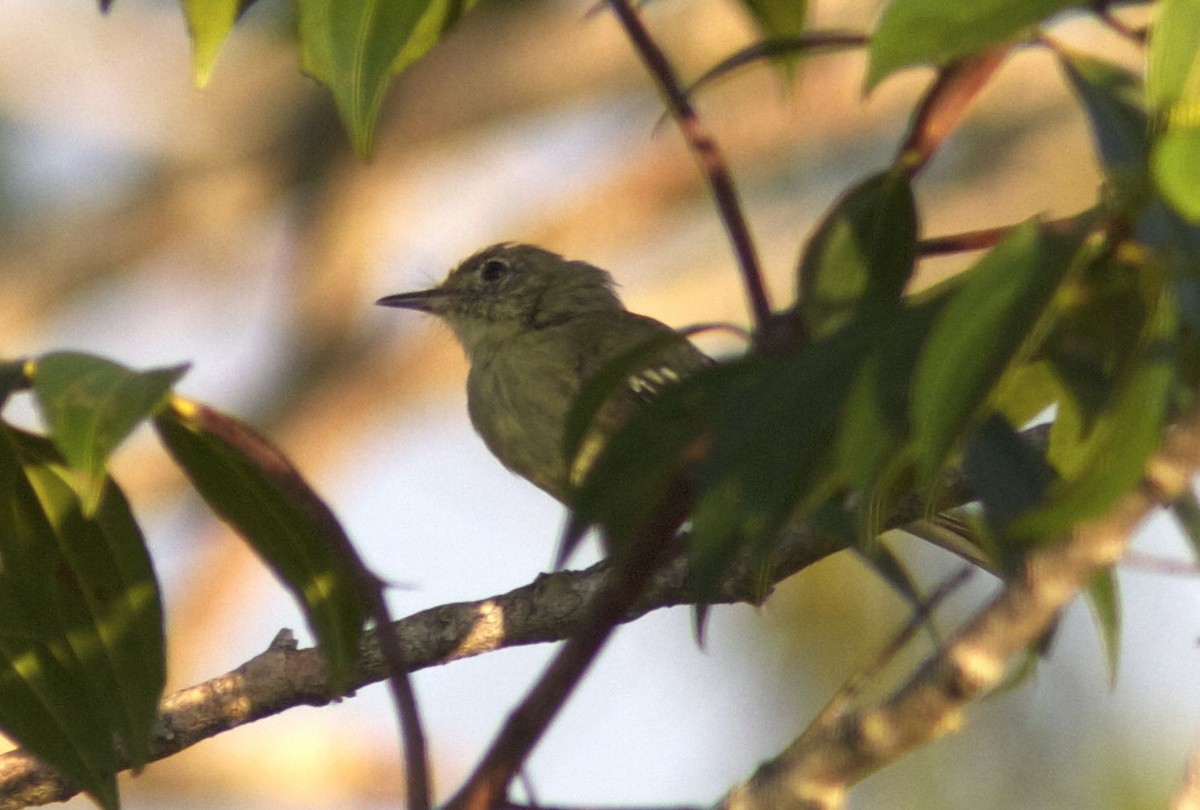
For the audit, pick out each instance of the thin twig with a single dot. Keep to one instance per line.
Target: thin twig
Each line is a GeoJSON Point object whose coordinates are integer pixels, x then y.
{"type": "Point", "coordinates": [708, 155]}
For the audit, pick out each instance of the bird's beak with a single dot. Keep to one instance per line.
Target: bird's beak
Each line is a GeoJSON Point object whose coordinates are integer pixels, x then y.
{"type": "Point", "coordinates": [421, 300]}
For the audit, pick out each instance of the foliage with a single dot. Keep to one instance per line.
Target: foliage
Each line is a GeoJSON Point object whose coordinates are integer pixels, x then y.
{"type": "Point", "coordinates": [869, 392]}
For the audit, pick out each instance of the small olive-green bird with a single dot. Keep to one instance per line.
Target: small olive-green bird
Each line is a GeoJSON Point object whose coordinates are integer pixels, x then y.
{"type": "Point", "coordinates": [535, 327]}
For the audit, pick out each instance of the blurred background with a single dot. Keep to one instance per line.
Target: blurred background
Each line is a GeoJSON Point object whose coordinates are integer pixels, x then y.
{"type": "Point", "coordinates": [153, 223]}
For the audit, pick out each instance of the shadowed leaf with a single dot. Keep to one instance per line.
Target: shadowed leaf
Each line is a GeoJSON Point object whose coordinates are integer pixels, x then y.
{"type": "Point", "coordinates": [253, 487]}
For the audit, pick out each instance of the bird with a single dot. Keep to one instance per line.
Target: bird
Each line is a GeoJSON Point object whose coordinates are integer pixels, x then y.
{"type": "Point", "coordinates": [535, 327]}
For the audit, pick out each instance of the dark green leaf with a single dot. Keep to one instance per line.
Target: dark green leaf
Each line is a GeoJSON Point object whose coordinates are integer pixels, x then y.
{"type": "Point", "coordinates": [1105, 600]}
{"type": "Point", "coordinates": [12, 378]}
{"type": "Point", "coordinates": [253, 487]}
{"type": "Point", "coordinates": [873, 453]}
{"type": "Point", "coordinates": [989, 324]}
{"type": "Point", "coordinates": [90, 404]}
{"type": "Point", "coordinates": [1114, 101]}
{"type": "Point", "coordinates": [50, 702]}
{"type": "Point", "coordinates": [861, 255]}
{"type": "Point", "coordinates": [939, 32]}
{"type": "Point", "coordinates": [1010, 477]}
{"type": "Point", "coordinates": [354, 47]}
{"type": "Point", "coordinates": [772, 455]}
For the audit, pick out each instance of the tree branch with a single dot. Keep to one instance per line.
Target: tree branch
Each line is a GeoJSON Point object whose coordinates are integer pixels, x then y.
{"type": "Point", "coordinates": [708, 155]}
{"type": "Point", "coordinates": [842, 748]}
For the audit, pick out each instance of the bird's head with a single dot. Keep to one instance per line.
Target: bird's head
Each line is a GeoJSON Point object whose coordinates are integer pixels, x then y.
{"type": "Point", "coordinates": [508, 289]}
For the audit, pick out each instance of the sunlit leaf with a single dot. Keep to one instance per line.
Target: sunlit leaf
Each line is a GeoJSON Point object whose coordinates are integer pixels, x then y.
{"type": "Point", "coordinates": [1176, 164]}
{"type": "Point", "coordinates": [209, 22]}
{"type": "Point", "coordinates": [1173, 89]}
{"type": "Point", "coordinates": [1105, 599]}
{"type": "Point", "coordinates": [938, 32]}
{"type": "Point", "coordinates": [1025, 391]}
{"type": "Point", "coordinates": [90, 404]}
{"type": "Point", "coordinates": [49, 702]}
{"type": "Point", "coordinates": [1173, 59]}
{"type": "Point", "coordinates": [107, 589]}
{"type": "Point", "coordinates": [985, 328]}
{"type": "Point", "coordinates": [861, 255]}
{"type": "Point", "coordinates": [253, 487]}
{"type": "Point", "coordinates": [355, 46]}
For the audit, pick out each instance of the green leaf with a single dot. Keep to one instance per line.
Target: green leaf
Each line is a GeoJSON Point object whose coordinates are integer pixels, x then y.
{"type": "Point", "coordinates": [355, 46]}
{"type": "Point", "coordinates": [254, 488]}
{"type": "Point", "coordinates": [91, 404]}
{"type": "Point", "coordinates": [1025, 391]}
{"type": "Point", "coordinates": [938, 32]}
{"type": "Point", "coordinates": [1176, 163]}
{"type": "Point", "coordinates": [209, 22]}
{"type": "Point", "coordinates": [1104, 597]}
{"type": "Point", "coordinates": [872, 450]}
{"type": "Point", "coordinates": [772, 454]}
{"type": "Point", "coordinates": [1173, 89]}
{"type": "Point", "coordinates": [778, 18]}
{"type": "Point", "coordinates": [1114, 100]}
{"type": "Point", "coordinates": [1122, 439]}
{"type": "Point", "coordinates": [1173, 60]}
{"type": "Point", "coordinates": [49, 700]}
{"type": "Point", "coordinates": [108, 591]}
{"type": "Point", "coordinates": [991, 322]}
{"type": "Point", "coordinates": [861, 255]}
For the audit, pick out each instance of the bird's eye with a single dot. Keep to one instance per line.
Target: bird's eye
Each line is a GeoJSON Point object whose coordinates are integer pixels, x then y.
{"type": "Point", "coordinates": [493, 269]}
